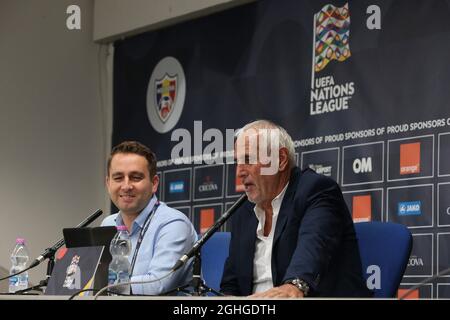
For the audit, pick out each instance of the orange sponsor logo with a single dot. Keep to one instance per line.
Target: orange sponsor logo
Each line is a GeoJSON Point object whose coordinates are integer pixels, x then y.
{"type": "Point", "coordinates": [410, 158]}
{"type": "Point", "coordinates": [362, 208]}
{"type": "Point", "coordinates": [206, 219]}
{"type": "Point", "coordinates": [412, 295]}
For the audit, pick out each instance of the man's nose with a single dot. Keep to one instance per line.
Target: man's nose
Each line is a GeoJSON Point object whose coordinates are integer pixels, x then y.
{"type": "Point", "coordinates": [126, 185]}
{"type": "Point", "coordinates": [241, 171]}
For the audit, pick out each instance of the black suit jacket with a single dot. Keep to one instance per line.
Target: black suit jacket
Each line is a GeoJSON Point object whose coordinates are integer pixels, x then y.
{"type": "Point", "coordinates": [314, 240]}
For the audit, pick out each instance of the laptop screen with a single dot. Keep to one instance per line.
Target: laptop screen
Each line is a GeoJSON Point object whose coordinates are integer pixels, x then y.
{"type": "Point", "coordinates": [88, 237]}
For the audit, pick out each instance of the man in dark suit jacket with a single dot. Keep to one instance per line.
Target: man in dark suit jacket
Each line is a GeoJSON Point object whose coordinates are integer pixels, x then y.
{"type": "Point", "coordinates": [295, 235]}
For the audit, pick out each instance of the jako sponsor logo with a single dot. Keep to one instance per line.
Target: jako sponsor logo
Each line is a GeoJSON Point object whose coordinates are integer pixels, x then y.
{"type": "Point", "coordinates": [410, 208]}
{"type": "Point", "coordinates": [176, 187]}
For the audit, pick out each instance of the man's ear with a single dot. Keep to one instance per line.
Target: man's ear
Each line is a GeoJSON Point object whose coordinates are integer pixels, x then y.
{"type": "Point", "coordinates": [284, 159]}
{"type": "Point", "coordinates": [155, 183]}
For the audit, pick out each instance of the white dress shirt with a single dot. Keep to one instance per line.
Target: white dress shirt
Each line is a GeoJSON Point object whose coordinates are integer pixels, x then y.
{"type": "Point", "coordinates": [262, 262]}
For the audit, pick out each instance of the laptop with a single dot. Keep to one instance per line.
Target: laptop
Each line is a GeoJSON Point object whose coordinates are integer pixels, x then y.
{"type": "Point", "coordinates": [84, 265]}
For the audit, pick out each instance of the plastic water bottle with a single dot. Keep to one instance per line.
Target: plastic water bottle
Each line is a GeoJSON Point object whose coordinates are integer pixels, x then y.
{"type": "Point", "coordinates": [19, 259]}
{"type": "Point", "coordinates": [119, 268]}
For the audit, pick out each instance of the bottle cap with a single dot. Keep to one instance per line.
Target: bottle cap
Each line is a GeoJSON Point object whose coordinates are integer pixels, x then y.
{"type": "Point", "coordinates": [20, 241]}
{"type": "Point", "coordinates": [122, 228]}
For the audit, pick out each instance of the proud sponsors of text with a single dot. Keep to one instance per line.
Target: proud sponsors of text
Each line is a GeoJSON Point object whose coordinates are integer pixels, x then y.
{"type": "Point", "coordinates": [373, 132]}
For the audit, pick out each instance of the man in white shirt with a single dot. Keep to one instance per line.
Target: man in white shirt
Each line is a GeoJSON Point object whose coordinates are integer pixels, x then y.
{"type": "Point", "coordinates": [294, 237]}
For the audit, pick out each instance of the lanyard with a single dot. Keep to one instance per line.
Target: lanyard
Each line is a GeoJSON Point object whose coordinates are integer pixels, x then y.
{"type": "Point", "coordinates": [141, 235]}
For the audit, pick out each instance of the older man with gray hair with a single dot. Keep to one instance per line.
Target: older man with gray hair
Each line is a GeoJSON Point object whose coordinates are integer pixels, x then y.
{"type": "Point", "coordinates": [294, 237]}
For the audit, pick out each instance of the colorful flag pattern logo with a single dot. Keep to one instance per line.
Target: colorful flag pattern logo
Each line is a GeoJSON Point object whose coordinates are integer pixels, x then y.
{"type": "Point", "coordinates": [332, 33]}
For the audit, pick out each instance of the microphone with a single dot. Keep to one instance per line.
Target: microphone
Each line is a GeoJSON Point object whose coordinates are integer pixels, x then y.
{"type": "Point", "coordinates": [50, 251]}
{"type": "Point", "coordinates": [197, 246]}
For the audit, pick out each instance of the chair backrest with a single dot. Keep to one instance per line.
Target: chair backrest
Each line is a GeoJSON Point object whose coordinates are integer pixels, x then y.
{"type": "Point", "coordinates": [385, 248]}
{"type": "Point", "coordinates": [214, 253]}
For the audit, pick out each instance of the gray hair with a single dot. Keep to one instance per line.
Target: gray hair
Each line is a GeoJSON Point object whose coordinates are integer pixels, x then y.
{"type": "Point", "coordinates": [285, 139]}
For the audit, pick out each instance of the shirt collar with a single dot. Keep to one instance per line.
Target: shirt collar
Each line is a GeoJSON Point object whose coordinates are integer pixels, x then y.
{"type": "Point", "coordinates": [276, 204]}
{"type": "Point", "coordinates": [140, 220]}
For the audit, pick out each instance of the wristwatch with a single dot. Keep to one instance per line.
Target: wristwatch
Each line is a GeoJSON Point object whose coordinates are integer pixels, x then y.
{"type": "Point", "coordinates": [300, 285]}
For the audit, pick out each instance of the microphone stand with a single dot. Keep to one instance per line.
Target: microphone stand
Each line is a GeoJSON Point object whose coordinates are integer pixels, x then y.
{"type": "Point", "coordinates": [199, 288]}
{"type": "Point", "coordinates": [50, 266]}
{"type": "Point", "coordinates": [197, 283]}
{"type": "Point", "coordinates": [49, 254]}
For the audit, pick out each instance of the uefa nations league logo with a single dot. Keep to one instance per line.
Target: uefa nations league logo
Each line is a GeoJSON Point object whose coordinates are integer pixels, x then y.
{"type": "Point", "coordinates": [165, 94]}
{"type": "Point", "coordinates": [331, 37]}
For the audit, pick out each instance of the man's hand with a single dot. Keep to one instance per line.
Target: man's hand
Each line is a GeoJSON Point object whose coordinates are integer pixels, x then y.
{"type": "Point", "coordinates": [284, 291]}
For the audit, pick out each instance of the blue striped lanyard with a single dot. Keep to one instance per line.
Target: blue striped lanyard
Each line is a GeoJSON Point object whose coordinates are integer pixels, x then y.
{"type": "Point", "coordinates": [142, 234]}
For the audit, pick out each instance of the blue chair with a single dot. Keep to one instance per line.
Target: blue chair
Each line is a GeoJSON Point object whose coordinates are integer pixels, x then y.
{"type": "Point", "coordinates": [385, 248]}
{"type": "Point", "coordinates": [214, 253]}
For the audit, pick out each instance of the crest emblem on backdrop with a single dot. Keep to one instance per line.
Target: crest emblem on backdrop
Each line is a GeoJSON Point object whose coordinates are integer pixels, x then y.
{"type": "Point", "coordinates": [166, 92]}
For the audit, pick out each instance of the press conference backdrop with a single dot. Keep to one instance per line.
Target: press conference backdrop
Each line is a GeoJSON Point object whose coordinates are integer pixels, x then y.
{"type": "Point", "coordinates": [362, 86]}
